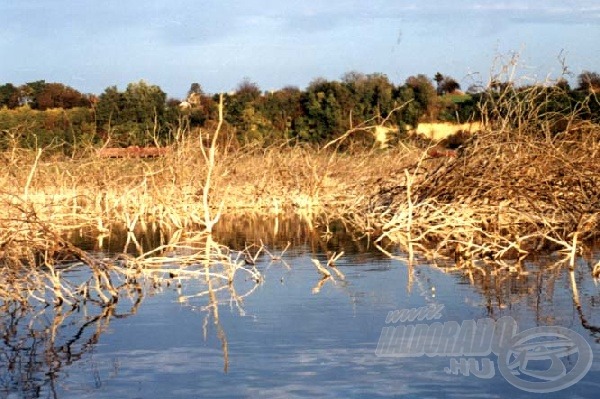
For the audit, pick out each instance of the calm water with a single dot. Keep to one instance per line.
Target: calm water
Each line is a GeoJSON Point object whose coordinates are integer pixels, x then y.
{"type": "Point", "coordinates": [290, 337]}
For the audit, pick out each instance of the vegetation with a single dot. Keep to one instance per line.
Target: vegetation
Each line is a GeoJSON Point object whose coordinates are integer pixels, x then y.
{"type": "Point", "coordinates": [526, 184]}
{"type": "Point", "coordinates": [42, 115]}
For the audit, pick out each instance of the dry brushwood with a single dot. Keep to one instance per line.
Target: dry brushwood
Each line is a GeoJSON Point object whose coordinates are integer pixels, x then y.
{"type": "Point", "coordinates": [504, 196]}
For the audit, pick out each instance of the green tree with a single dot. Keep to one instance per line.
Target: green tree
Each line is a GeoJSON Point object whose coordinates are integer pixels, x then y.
{"type": "Point", "coordinates": [237, 104]}
{"type": "Point", "coordinates": [135, 116]}
{"type": "Point", "coordinates": [195, 88]}
{"type": "Point", "coordinates": [29, 92]}
{"type": "Point", "coordinates": [445, 84]}
{"type": "Point", "coordinates": [371, 96]}
{"type": "Point", "coordinates": [9, 96]}
{"type": "Point", "coordinates": [439, 78]}
{"type": "Point", "coordinates": [145, 108]}
{"type": "Point", "coordinates": [144, 102]}
{"type": "Point", "coordinates": [109, 108]}
{"type": "Point", "coordinates": [425, 96]}
{"type": "Point", "coordinates": [409, 114]}
{"type": "Point", "coordinates": [449, 85]}
{"type": "Point", "coordinates": [283, 109]}
{"type": "Point", "coordinates": [326, 107]}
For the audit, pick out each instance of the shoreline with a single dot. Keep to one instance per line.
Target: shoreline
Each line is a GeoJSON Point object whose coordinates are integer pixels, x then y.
{"type": "Point", "coordinates": [506, 197]}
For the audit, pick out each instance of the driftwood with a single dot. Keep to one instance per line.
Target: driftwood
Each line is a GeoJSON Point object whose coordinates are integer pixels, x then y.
{"type": "Point", "coordinates": [133, 152]}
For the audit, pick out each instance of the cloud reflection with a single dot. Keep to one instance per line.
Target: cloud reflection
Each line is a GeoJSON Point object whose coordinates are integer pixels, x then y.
{"type": "Point", "coordinates": [185, 371]}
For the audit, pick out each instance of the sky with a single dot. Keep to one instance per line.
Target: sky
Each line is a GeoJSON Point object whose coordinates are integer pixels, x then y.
{"type": "Point", "coordinates": [91, 45]}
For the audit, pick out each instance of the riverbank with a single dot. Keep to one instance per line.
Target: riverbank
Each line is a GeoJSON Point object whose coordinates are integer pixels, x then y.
{"type": "Point", "coordinates": [506, 196]}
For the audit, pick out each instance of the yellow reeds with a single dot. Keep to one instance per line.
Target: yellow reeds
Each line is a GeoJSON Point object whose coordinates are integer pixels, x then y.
{"type": "Point", "coordinates": [507, 195]}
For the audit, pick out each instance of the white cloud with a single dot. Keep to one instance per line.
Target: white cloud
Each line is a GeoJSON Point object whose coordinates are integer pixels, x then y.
{"type": "Point", "coordinates": [217, 42]}
{"type": "Point", "coordinates": [547, 11]}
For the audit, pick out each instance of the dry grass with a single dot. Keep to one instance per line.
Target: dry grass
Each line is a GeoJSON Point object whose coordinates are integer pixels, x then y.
{"type": "Point", "coordinates": [510, 193]}
{"type": "Point", "coordinates": [168, 191]}
{"type": "Point", "coordinates": [555, 180]}
{"type": "Point", "coordinates": [501, 198]}
{"type": "Point", "coordinates": [520, 188]}
{"type": "Point", "coordinates": [42, 199]}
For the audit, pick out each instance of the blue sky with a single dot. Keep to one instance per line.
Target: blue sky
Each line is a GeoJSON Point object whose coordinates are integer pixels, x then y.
{"type": "Point", "coordinates": [91, 44]}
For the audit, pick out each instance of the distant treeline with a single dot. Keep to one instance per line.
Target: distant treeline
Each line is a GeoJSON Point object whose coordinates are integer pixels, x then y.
{"type": "Point", "coordinates": [40, 114]}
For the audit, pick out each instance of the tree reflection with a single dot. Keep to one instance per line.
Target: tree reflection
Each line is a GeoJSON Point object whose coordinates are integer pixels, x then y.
{"type": "Point", "coordinates": [536, 283]}
{"type": "Point", "coordinates": [38, 342]}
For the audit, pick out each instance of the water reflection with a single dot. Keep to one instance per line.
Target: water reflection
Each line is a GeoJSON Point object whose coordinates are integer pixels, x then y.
{"type": "Point", "coordinates": [237, 233]}
{"type": "Point", "coordinates": [199, 335]}
{"type": "Point", "coordinates": [534, 285]}
{"type": "Point", "coordinates": [38, 343]}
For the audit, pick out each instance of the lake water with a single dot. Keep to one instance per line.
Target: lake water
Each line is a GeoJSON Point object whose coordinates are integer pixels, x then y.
{"type": "Point", "coordinates": [295, 335]}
